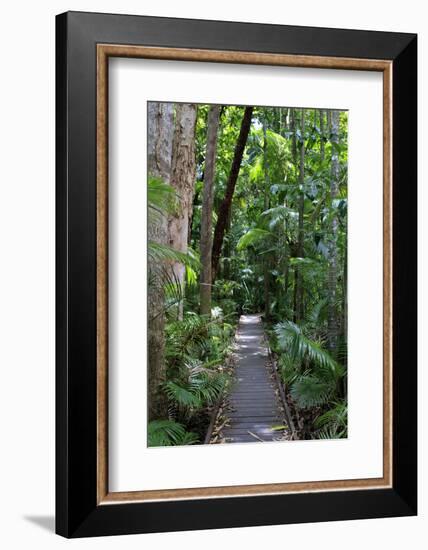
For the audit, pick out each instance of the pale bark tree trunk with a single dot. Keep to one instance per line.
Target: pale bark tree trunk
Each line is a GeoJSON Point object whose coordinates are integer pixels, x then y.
{"type": "Point", "coordinates": [293, 137]}
{"type": "Point", "coordinates": [225, 207]}
{"type": "Point", "coordinates": [183, 173]}
{"type": "Point", "coordinates": [266, 278]}
{"type": "Point", "coordinates": [294, 156]}
{"type": "Point", "coordinates": [332, 271]}
{"type": "Point", "coordinates": [286, 277]}
{"type": "Point", "coordinates": [160, 132]}
{"type": "Point", "coordinates": [300, 238]}
{"type": "Point", "coordinates": [207, 210]}
{"type": "Point", "coordinates": [328, 122]}
{"type": "Point", "coordinates": [345, 294]}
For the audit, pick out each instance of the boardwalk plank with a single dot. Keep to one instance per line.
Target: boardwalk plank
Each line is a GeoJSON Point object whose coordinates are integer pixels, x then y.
{"type": "Point", "coordinates": [253, 403]}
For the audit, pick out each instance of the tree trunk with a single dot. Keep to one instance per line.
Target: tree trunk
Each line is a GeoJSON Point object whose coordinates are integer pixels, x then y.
{"type": "Point", "coordinates": [225, 206]}
{"type": "Point", "coordinates": [159, 151]}
{"type": "Point", "coordinates": [207, 210]}
{"type": "Point", "coordinates": [332, 271]}
{"type": "Point", "coordinates": [328, 123]}
{"type": "Point", "coordinates": [286, 277]}
{"type": "Point", "coordinates": [266, 266]}
{"type": "Point", "coordinates": [227, 249]}
{"type": "Point", "coordinates": [322, 145]}
{"type": "Point", "coordinates": [183, 173]}
{"type": "Point", "coordinates": [293, 137]}
{"type": "Point", "coordinates": [294, 157]}
{"type": "Point", "coordinates": [345, 293]}
{"type": "Point", "coordinates": [300, 238]}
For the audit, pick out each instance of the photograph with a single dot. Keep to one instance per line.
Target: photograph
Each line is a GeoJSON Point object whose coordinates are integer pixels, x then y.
{"type": "Point", "coordinates": [246, 273]}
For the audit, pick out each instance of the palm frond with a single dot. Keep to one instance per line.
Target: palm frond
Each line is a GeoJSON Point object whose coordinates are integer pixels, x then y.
{"type": "Point", "coordinates": [203, 387]}
{"type": "Point", "coordinates": [278, 214]}
{"type": "Point", "coordinates": [253, 237]}
{"type": "Point", "coordinates": [158, 252]}
{"type": "Point", "coordinates": [165, 433]}
{"type": "Point", "coordinates": [288, 368]}
{"type": "Point", "coordinates": [333, 424]}
{"type": "Point", "coordinates": [292, 340]}
{"type": "Point", "coordinates": [331, 433]}
{"type": "Point", "coordinates": [161, 197]}
{"type": "Point", "coordinates": [309, 391]}
{"type": "Point", "coordinates": [181, 395]}
{"type": "Point", "coordinates": [318, 314]}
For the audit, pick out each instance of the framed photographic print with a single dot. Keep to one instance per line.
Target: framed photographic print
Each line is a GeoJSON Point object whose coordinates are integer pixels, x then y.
{"type": "Point", "coordinates": [236, 274]}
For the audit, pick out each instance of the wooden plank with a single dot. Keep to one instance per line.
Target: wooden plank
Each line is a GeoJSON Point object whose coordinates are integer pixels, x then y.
{"type": "Point", "coordinates": [256, 419]}
{"type": "Point", "coordinates": [253, 401]}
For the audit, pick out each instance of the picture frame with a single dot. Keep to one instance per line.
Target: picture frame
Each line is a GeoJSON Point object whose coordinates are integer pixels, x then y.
{"type": "Point", "coordinates": [84, 44]}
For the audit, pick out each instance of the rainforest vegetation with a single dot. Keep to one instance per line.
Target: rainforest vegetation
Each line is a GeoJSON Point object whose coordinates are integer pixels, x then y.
{"type": "Point", "coordinates": [247, 210]}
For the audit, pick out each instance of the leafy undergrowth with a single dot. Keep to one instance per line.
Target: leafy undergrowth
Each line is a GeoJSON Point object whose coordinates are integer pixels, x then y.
{"type": "Point", "coordinates": [197, 349]}
{"type": "Point", "coordinates": [314, 381]}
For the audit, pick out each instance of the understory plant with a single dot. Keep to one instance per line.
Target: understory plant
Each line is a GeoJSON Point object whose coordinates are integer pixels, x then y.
{"type": "Point", "coordinates": [196, 350]}
{"type": "Point", "coordinates": [313, 377]}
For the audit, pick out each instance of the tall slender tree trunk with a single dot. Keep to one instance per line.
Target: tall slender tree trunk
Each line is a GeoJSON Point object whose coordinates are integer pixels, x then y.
{"type": "Point", "coordinates": [332, 248]}
{"type": "Point", "coordinates": [300, 239]}
{"type": "Point", "coordinates": [345, 313]}
{"type": "Point", "coordinates": [294, 156]}
{"type": "Point", "coordinates": [286, 278]}
{"type": "Point", "coordinates": [207, 210]}
{"type": "Point", "coordinates": [183, 173]}
{"type": "Point", "coordinates": [293, 136]}
{"type": "Point", "coordinates": [344, 319]}
{"type": "Point", "coordinates": [226, 204]}
{"type": "Point", "coordinates": [322, 131]}
{"type": "Point", "coordinates": [227, 249]}
{"type": "Point", "coordinates": [159, 152]}
{"type": "Point", "coordinates": [266, 266]}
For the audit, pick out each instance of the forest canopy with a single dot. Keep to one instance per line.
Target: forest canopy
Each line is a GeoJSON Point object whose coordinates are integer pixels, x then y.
{"type": "Point", "coordinates": [247, 217]}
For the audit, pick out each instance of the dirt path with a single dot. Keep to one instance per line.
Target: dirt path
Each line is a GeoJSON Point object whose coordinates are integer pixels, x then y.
{"type": "Point", "coordinates": [253, 404]}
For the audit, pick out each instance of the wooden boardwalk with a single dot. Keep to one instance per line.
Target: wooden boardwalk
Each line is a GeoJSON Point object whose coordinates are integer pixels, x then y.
{"type": "Point", "coordinates": [254, 407]}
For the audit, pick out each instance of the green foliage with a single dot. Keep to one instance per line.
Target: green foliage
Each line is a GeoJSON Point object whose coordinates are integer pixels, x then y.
{"type": "Point", "coordinates": [202, 387]}
{"type": "Point", "coordinates": [161, 258]}
{"type": "Point", "coordinates": [318, 315]}
{"type": "Point", "coordinates": [162, 253]}
{"type": "Point", "coordinates": [310, 391]}
{"type": "Point", "coordinates": [161, 273]}
{"type": "Point", "coordinates": [307, 369]}
{"type": "Point", "coordinates": [253, 237]}
{"type": "Point", "coordinates": [279, 215]}
{"type": "Point", "coordinates": [165, 433]}
{"type": "Point", "coordinates": [289, 369]}
{"type": "Point", "coordinates": [161, 197]}
{"type": "Point", "coordinates": [292, 340]}
{"type": "Point", "coordinates": [260, 264]}
{"type": "Point", "coordinates": [196, 348]}
{"type": "Point", "coordinates": [333, 423]}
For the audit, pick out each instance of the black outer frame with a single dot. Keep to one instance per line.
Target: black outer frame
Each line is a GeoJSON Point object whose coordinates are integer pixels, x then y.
{"type": "Point", "coordinates": [77, 513]}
